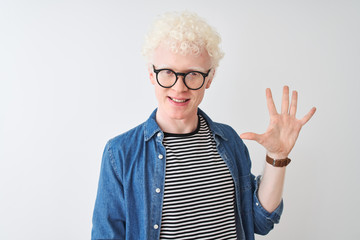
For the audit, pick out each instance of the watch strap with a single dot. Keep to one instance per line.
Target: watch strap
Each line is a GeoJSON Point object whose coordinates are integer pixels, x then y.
{"type": "Point", "coordinates": [278, 162]}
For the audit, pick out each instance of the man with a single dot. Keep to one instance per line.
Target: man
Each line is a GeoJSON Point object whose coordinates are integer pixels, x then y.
{"type": "Point", "coordinates": [179, 175]}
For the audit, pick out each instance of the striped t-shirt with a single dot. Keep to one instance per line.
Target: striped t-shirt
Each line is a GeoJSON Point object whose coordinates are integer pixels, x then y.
{"type": "Point", "coordinates": [199, 190]}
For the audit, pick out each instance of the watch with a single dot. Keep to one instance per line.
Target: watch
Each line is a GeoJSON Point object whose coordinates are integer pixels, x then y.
{"type": "Point", "coordinates": [278, 162]}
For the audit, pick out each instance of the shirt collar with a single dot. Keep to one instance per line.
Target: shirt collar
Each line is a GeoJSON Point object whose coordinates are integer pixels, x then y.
{"type": "Point", "coordinates": [212, 125]}
{"type": "Point", "coordinates": [151, 127]}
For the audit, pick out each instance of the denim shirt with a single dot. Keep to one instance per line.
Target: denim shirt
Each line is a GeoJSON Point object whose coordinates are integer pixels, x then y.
{"type": "Point", "coordinates": [132, 178]}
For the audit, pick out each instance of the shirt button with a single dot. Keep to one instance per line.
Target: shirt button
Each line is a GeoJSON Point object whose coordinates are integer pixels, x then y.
{"type": "Point", "coordinates": [159, 135]}
{"type": "Point", "coordinates": [257, 204]}
{"type": "Point", "coordinates": [158, 190]}
{"type": "Point", "coordinates": [156, 226]}
{"type": "Point", "coordinates": [160, 156]}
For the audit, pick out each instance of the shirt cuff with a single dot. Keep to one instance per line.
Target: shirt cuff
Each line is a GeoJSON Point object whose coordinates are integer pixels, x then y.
{"type": "Point", "coordinates": [273, 216]}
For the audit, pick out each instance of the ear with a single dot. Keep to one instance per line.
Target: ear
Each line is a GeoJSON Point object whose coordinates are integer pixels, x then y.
{"type": "Point", "coordinates": [151, 74]}
{"type": "Point", "coordinates": [211, 77]}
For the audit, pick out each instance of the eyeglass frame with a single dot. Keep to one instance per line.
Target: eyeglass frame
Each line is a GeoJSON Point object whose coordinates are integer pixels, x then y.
{"type": "Point", "coordinates": [181, 74]}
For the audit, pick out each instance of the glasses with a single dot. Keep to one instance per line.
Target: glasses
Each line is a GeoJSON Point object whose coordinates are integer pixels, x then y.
{"type": "Point", "coordinates": [193, 80]}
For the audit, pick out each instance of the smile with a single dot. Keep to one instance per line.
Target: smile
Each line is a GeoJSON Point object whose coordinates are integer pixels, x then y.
{"type": "Point", "coordinates": [179, 100]}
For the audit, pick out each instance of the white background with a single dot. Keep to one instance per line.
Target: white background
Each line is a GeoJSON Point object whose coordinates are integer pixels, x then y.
{"type": "Point", "coordinates": [72, 77]}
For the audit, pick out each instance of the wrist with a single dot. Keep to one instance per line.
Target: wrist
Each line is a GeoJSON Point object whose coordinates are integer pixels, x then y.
{"type": "Point", "coordinates": [277, 155]}
{"type": "Point", "coordinates": [278, 162]}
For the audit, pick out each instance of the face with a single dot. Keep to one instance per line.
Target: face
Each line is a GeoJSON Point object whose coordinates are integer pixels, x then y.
{"type": "Point", "coordinates": [178, 102]}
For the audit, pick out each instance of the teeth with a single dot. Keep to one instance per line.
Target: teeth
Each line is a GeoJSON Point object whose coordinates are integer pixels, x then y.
{"type": "Point", "coordinates": [178, 100]}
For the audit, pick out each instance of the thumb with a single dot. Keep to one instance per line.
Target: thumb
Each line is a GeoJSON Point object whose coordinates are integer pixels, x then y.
{"type": "Point", "coordinates": [250, 136]}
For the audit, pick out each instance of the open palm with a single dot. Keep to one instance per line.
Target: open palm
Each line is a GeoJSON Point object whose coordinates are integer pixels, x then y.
{"type": "Point", "coordinates": [284, 127]}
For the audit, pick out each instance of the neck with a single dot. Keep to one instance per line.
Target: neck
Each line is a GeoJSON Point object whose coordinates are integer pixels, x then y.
{"type": "Point", "coordinates": [177, 126]}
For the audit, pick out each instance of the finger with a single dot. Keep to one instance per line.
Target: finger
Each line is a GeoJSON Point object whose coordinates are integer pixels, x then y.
{"type": "Point", "coordinates": [307, 117]}
{"type": "Point", "coordinates": [250, 136]}
{"type": "Point", "coordinates": [285, 100]}
{"type": "Point", "coordinates": [293, 105]}
{"type": "Point", "coordinates": [270, 102]}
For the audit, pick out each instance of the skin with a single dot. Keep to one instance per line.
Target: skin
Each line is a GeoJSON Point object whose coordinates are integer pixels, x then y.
{"type": "Point", "coordinates": [175, 117]}
{"type": "Point", "coordinates": [171, 116]}
{"type": "Point", "coordinates": [279, 139]}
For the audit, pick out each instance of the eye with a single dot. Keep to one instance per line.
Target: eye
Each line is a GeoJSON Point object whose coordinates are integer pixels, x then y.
{"type": "Point", "coordinates": [167, 72]}
{"type": "Point", "coordinates": [194, 74]}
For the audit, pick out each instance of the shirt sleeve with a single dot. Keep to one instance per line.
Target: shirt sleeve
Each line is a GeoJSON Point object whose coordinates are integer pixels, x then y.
{"type": "Point", "coordinates": [264, 220]}
{"type": "Point", "coordinates": [109, 211]}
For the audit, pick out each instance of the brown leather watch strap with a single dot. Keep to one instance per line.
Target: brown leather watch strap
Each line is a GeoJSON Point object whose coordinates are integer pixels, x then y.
{"type": "Point", "coordinates": [278, 162]}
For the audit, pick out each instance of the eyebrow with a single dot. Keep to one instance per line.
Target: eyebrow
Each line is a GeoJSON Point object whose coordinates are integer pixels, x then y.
{"type": "Point", "coordinates": [199, 69]}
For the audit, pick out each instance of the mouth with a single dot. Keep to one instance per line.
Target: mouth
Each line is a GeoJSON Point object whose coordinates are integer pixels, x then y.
{"type": "Point", "coordinates": [178, 100]}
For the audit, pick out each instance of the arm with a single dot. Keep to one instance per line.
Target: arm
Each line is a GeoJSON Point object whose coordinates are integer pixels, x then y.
{"type": "Point", "coordinates": [109, 212]}
{"type": "Point", "coordinates": [278, 140]}
{"type": "Point", "coordinates": [271, 187]}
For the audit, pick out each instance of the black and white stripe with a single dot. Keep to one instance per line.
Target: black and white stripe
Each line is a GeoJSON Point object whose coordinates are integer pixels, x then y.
{"type": "Point", "coordinates": [199, 190]}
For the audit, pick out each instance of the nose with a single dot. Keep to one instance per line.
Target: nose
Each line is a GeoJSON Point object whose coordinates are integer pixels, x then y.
{"type": "Point", "coordinates": [180, 85]}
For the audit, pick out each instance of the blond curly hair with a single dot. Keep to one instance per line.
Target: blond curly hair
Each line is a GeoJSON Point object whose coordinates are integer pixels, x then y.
{"type": "Point", "coordinates": [184, 33]}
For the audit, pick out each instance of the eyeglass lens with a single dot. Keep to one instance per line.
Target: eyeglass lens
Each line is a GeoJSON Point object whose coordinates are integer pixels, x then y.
{"type": "Point", "coordinates": [193, 80]}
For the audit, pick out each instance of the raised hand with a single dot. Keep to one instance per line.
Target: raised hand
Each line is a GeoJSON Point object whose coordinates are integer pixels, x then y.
{"type": "Point", "coordinates": [284, 128]}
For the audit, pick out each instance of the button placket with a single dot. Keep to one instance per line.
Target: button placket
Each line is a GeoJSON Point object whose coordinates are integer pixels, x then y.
{"type": "Point", "coordinates": [160, 170]}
